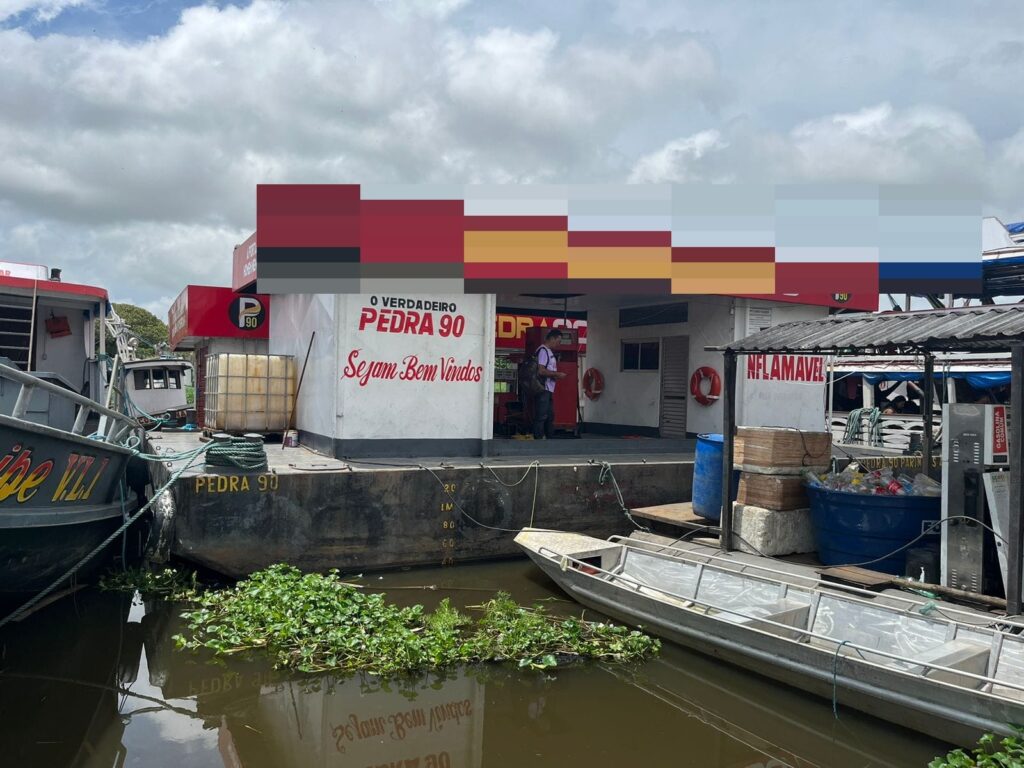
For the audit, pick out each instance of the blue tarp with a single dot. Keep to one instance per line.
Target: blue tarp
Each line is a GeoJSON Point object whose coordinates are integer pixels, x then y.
{"type": "Point", "coordinates": [1016, 228]}
{"type": "Point", "coordinates": [976, 380]}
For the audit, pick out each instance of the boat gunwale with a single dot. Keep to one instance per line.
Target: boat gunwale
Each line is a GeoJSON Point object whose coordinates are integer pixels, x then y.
{"type": "Point", "coordinates": [13, 422]}
{"type": "Point", "coordinates": [816, 584]}
{"type": "Point", "coordinates": [805, 633]}
{"type": "Point", "coordinates": [807, 677]}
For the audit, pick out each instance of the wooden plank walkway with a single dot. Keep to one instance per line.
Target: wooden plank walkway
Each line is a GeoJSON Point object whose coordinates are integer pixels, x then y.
{"type": "Point", "coordinates": [680, 515]}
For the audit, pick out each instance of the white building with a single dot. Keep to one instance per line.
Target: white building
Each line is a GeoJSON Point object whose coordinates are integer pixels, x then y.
{"type": "Point", "coordinates": [407, 375]}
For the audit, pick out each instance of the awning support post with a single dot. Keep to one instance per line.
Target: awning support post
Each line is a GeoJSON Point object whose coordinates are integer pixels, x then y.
{"type": "Point", "coordinates": [728, 448]}
{"type": "Point", "coordinates": [927, 439]}
{"type": "Point", "coordinates": [1015, 535]}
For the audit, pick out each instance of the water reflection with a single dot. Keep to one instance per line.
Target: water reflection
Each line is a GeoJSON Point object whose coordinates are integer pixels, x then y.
{"type": "Point", "coordinates": [98, 682]}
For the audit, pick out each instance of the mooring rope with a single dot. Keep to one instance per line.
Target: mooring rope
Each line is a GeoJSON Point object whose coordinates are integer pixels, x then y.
{"type": "Point", "coordinates": [606, 472]}
{"type": "Point", "coordinates": [238, 452]}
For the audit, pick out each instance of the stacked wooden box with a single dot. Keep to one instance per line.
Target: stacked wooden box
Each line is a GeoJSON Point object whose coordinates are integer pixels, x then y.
{"type": "Point", "coordinates": [771, 512]}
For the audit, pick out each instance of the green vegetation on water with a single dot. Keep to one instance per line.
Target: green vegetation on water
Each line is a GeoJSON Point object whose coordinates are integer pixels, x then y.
{"type": "Point", "coordinates": [169, 583]}
{"type": "Point", "coordinates": [315, 622]}
{"type": "Point", "coordinates": [990, 753]}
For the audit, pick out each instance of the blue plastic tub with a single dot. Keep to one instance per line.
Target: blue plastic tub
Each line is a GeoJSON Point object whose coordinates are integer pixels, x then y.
{"type": "Point", "coordinates": [707, 477]}
{"type": "Point", "coordinates": [854, 528]}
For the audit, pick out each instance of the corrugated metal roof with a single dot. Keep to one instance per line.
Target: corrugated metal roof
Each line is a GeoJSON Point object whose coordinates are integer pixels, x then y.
{"type": "Point", "coordinates": [969, 329]}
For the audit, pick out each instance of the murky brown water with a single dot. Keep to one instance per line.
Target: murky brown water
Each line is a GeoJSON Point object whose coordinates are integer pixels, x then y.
{"type": "Point", "coordinates": [96, 681]}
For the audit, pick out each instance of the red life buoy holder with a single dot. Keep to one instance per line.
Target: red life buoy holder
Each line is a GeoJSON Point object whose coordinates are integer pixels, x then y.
{"type": "Point", "coordinates": [714, 389]}
{"type": "Point", "coordinates": [593, 383]}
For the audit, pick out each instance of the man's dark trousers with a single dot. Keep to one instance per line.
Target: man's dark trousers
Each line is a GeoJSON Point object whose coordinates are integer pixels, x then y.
{"type": "Point", "coordinates": [543, 415]}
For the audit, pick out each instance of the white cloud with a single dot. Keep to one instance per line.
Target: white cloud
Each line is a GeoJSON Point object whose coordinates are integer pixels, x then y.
{"type": "Point", "coordinates": [676, 161]}
{"type": "Point", "coordinates": [878, 144]}
{"type": "Point", "coordinates": [41, 10]}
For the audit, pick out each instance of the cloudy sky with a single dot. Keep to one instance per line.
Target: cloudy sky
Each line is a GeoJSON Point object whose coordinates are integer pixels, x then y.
{"type": "Point", "coordinates": [133, 132]}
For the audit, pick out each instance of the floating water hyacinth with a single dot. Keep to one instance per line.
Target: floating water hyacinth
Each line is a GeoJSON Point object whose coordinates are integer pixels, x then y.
{"type": "Point", "coordinates": [316, 622]}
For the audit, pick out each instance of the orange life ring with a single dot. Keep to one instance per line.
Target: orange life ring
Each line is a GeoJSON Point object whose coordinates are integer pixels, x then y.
{"type": "Point", "coordinates": [714, 390]}
{"type": "Point", "coordinates": [593, 383]}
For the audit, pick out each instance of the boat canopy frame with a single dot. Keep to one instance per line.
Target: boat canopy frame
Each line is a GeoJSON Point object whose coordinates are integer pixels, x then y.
{"type": "Point", "coordinates": [987, 328]}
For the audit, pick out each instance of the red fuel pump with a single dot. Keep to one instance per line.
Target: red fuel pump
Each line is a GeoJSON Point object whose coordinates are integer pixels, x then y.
{"type": "Point", "coordinates": [567, 390]}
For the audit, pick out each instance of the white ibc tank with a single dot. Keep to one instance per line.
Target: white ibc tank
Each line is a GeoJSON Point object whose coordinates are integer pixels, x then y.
{"type": "Point", "coordinates": [249, 393]}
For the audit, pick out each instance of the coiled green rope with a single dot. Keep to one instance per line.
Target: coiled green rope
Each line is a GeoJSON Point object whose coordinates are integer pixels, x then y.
{"type": "Point", "coordinates": [238, 452]}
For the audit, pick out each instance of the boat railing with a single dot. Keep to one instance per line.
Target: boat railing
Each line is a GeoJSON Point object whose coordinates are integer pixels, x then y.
{"type": "Point", "coordinates": [114, 427]}
{"type": "Point", "coordinates": [701, 558]}
{"type": "Point", "coordinates": [986, 682]}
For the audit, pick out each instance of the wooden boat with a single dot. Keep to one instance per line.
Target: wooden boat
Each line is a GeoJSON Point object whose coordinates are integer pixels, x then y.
{"type": "Point", "coordinates": [950, 673]}
{"type": "Point", "coordinates": [60, 479]}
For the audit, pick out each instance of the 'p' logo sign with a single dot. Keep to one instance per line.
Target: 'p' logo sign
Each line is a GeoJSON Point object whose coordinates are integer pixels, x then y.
{"type": "Point", "coordinates": [247, 312]}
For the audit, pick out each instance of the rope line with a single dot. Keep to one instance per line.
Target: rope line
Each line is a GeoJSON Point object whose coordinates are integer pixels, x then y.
{"type": "Point", "coordinates": [237, 452]}
{"type": "Point", "coordinates": [607, 473]}
{"type": "Point", "coordinates": [102, 545]}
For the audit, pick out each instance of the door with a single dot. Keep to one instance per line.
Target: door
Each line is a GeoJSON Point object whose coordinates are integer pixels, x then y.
{"type": "Point", "coordinates": [675, 383]}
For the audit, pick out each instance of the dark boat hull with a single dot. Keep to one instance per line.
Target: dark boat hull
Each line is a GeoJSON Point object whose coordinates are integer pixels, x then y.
{"type": "Point", "coordinates": [61, 495]}
{"type": "Point", "coordinates": [32, 558]}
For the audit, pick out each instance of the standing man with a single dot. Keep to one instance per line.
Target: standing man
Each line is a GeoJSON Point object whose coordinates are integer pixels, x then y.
{"type": "Point", "coordinates": [547, 370]}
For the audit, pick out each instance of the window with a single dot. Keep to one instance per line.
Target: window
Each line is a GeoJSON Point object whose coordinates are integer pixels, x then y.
{"type": "Point", "coordinates": [640, 355]}
{"type": "Point", "coordinates": [173, 379]}
{"type": "Point", "coordinates": [159, 378]}
{"type": "Point", "coordinates": [142, 380]}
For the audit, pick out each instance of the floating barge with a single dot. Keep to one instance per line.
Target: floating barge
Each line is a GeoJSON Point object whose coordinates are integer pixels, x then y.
{"type": "Point", "coordinates": [316, 512]}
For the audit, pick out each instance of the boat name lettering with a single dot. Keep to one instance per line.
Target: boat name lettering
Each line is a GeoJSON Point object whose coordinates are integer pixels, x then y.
{"type": "Point", "coordinates": [235, 483]}
{"type": "Point", "coordinates": [77, 482]}
{"type": "Point", "coordinates": [786, 368]}
{"type": "Point", "coordinates": [18, 476]}
{"type": "Point", "coordinates": [448, 369]}
{"type": "Point", "coordinates": [440, 760]}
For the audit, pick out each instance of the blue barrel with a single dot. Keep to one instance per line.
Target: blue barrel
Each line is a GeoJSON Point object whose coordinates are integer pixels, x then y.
{"type": "Point", "coordinates": [856, 527]}
{"type": "Point", "coordinates": [707, 477]}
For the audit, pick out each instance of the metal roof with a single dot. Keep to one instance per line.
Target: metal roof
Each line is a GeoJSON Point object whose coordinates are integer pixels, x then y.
{"type": "Point", "coordinates": [970, 329]}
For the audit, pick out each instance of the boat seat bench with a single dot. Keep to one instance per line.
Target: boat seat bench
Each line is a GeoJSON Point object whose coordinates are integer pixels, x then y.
{"type": "Point", "coordinates": [963, 655]}
{"type": "Point", "coordinates": [788, 612]}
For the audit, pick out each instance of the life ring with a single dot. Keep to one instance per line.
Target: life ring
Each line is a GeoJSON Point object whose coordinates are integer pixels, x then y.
{"type": "Point", "coordinates": [593, 383]}
{"type": "Point", "coordinates": [714, 390]}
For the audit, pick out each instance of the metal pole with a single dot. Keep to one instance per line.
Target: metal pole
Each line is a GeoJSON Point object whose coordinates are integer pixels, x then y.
{"type": "Point", "coordinates": [831, 390]}
{"type": "Point", "coordinates": [1015, 535]}
{"type": "Point", "coordinates": [293, 406]}
{"type": "Point", "coordinates": [32, 326]}
{"type": "Point", "coordinates": [728, 448]}
{"type": "Point", "coordinates": [926, 413]}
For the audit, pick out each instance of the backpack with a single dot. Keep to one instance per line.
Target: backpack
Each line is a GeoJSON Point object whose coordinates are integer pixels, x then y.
{"type": "Point", "coordinates": [529, 382]}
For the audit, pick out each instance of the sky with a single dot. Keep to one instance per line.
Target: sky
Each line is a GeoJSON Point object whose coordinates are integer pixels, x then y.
{"type": "Point", "coordinates": [133, 133]}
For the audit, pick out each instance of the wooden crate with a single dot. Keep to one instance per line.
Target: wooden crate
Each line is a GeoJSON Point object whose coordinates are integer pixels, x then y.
{"type": "Point", "coordinates": [770, 450]}
{"type": "Point", "coordinates": [777, 492]}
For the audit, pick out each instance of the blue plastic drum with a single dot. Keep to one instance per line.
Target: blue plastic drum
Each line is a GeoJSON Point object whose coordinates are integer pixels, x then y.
{"type": "Point", "coordinates": [852, 528]}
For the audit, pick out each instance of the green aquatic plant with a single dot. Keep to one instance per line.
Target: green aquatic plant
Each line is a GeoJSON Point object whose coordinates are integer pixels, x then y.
{"type": "Point", "coordinates": [1007, 752]}
{"type": "Point", "coordinates": [316, 622]}
{"type": "Point", "coordinates": [170, 583]}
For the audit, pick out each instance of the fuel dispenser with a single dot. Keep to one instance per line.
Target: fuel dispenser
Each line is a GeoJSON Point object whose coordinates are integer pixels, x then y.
{"type": "Point", "coordinates": [975, 443]}
{"type": "Point", "coordinates": [566, 401]}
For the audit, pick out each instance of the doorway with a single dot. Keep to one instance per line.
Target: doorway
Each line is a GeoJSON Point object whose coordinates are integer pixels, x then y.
{"type": "Point", "coordinates": [675, 379]}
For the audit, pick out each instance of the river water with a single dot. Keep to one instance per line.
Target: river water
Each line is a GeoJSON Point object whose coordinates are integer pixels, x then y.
{"type": "Point", "coordinates": [95, 680]}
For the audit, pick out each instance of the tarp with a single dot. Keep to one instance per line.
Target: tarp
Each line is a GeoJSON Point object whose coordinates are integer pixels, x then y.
{"type": "Point", "coordinates": [1015, 229]}
{"type": "Point", "coordinates": [976, 380]}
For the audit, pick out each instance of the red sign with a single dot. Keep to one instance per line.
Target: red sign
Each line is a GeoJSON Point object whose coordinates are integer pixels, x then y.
{"type": "Point", "coordinates": [203, 311]}
{"type": "Point", "coordinates": [510, 330]}
{"type": "Point", "coordinates": [999, 441]}
{"type": "Point", "coordinates": [786, 368]}
{"type": "Point", "coordinates": [243, 265]}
